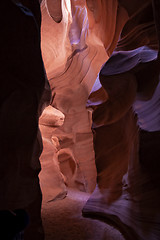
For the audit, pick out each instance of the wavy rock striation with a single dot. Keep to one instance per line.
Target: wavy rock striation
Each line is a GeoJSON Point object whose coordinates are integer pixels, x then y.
{"type": "Point", "coordinates": [74, 50]}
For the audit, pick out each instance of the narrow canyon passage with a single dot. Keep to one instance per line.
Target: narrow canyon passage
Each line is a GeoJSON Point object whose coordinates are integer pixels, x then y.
{"type": "Point", "coordinates": [80, 119]}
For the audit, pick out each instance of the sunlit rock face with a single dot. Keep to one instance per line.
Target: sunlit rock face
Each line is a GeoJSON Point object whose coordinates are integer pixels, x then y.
{"type": "Point", "coordinates": [76, 41]}
{"type": "Point", "coordinates": [73, 52]}
{"type": "Point", "coordinates": [51, 177]}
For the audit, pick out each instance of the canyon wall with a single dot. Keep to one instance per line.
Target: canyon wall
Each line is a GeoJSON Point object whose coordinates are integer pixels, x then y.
{"type": "Point", "coordinates": [73, 51]}
{"type": "Point", "coordinates": [78, 37]}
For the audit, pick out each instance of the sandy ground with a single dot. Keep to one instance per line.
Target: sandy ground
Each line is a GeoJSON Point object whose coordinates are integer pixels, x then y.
{"type": "Point", "coordinates": [62, 219]}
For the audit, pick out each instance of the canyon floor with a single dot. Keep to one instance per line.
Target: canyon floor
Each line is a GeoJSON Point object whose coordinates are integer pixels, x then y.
{"type": "Point", "coordinates": [63, 220]}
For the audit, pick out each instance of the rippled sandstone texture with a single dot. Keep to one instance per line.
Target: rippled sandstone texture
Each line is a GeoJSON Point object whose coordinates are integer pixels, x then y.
{"type": "Point", "coordinates": [73, 52]}
{"type": "Point", "coordinates": [76, 41]}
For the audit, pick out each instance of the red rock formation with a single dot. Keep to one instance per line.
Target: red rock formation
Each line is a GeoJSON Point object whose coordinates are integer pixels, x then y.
{"type": "Point", "coordinates": [51, 177]}
{"type": "Point", "coordinates": [127, 191]}
{"type": "Point", "coordinates": [74, 51]}
{"type": "Point", "coordinates": [125, 181]}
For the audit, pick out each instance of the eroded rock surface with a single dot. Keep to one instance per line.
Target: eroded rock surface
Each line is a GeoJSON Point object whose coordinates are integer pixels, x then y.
{"type": "Point", "coordinates": [74, 51]}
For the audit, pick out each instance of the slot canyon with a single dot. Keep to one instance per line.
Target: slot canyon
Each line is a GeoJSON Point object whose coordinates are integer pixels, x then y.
{"type": "Point", "coordinates": [80, 120]}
